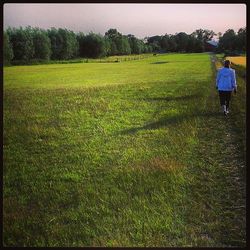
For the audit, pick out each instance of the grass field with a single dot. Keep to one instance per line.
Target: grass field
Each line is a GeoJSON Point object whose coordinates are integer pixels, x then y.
{"type": "Point", "coordinates": [134, 153]}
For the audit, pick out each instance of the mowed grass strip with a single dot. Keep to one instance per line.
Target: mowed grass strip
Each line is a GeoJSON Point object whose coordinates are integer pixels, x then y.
{"type": "Point", "coordinates": [106, 154]}
{"type": "Point", "coordinates": [148, 70]}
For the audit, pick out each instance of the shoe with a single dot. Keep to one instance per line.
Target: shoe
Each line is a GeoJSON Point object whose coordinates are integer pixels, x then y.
{"type": "Point", "coordinates": [227, 112]}
{"type": "Point", "coordinates": [224, 110]}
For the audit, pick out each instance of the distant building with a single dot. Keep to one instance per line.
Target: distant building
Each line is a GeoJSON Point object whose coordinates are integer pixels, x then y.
{"type": "Point", "coordinates": [211, 45]}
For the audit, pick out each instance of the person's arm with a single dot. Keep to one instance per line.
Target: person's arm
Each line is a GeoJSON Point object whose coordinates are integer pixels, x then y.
{"type": "Point", "coordinates": [233, 81]}
{"type": "Point", "coordinates": [217, 79]}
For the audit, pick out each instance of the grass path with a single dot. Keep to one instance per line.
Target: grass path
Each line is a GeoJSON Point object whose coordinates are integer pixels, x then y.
{"type": "Point", "coordinates": [219, 176]}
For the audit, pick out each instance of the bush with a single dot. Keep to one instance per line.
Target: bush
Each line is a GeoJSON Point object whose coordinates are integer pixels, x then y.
{"type": "Point", "coordinates": [232, 53]}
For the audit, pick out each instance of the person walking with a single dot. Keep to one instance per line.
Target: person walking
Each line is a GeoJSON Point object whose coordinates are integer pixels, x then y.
{"type": "Point", "coordinates": [225, 84]}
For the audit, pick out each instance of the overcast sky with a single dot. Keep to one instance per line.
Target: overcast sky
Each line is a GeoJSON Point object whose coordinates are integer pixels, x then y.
{"type": "Point", "coordinates": [140, 20]}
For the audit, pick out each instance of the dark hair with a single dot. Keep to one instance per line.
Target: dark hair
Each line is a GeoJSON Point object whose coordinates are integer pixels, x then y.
{"type": "Point", "coordinates": [227, 63]}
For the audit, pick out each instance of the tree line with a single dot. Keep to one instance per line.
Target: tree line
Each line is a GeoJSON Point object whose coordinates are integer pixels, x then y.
{"type": "Point", "coordinates": [29, 44]}
{"type": "Point", "coordinates": [231, 42]}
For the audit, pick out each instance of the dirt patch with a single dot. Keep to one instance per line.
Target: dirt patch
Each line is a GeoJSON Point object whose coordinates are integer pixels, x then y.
{"type": "Point", "coordinates": [160, 164]}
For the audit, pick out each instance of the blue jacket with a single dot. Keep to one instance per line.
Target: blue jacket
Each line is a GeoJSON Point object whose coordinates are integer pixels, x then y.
{"type": "Point", "coordinates": [226, 80]}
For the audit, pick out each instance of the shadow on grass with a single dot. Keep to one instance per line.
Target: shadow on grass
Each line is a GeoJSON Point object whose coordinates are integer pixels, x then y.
{"type": "Point", "coordinates": [169, 121]}
{"type": "Point", "coordinates": [159, 62]}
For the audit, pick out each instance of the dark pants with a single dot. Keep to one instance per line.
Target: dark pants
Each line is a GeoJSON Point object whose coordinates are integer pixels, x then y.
{"type": "Point", "coordinates": [225, 97]}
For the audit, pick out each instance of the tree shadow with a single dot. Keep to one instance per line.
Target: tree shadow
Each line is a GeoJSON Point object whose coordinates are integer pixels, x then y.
{"type": "Point", "coordinates": [169, 121]}
{"type": "Point", "coordinates": [162, 62]}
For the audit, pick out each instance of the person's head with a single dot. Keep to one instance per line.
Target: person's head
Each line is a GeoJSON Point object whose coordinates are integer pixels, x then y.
{"type": "Point", "coordinates": [227, 63]}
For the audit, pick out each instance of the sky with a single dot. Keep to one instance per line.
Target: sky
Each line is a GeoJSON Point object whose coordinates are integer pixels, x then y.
{"type": "Point", "coordinates": [140, 20]}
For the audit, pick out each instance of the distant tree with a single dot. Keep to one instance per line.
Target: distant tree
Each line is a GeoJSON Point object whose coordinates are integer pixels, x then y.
{"type": "Point", "coordinates": [164, 43]}
{"type": "Point", "coordinates": [7, 49]}
{"type": "Point", "coordinates": [132, 43]}
{"type": "Point", "coordinates": [93, 46]}
{"type": "Point", "coordinates": [123, 45]}
{"type": "Point", "coordinates": [203, 35]}
{"type": "Point", "coordinates": [69, 48]}
{"type": "Point", "coordinates": [194, 44]}
{"type": "Point", "coordinates": [73, 45]}
{"type": "Point", "coordinates": [191, 44]}
{"type": "Point", "coordinates": [64, 44]}
{"type": "Point", "coordinates": [199, 46]}
{"type": "Point", "coordinates": [241, 39]}
{"type": "Point", "coordinates": [56, 43]}
{"type": "Point", "coordinates": [172, 43]}
{"type": "Point", "coordinates": [227, 42]}
{"type": "Point", "coordinates": [80, 39]}
{"type": "Point", "coordinates": [42, 44]}
{"type": "Point", "coordinates": [114, 38]}
{"type": "Point", "coordinates": [147, 48]}
{"type": "Point", "coordinates": [136, 45]}
{"type": "Point", "coordinates": [110, 36]}
{"type": "Point", "coordinates": [155, 43]}
{"type": "Point", "coordinates": [182, 41]}
{"type": "Point", "coordinates": [113, 47]}
{"type": "Point", "coordinates": [142, 46]}
{"type": "Point", "coordinates": [22, 42]}
{"type": "Point", "coordinates": [107, 46]}
{"type": "Point", "coordinates": [154, 39]}
{"type": "Point", "coordinates": [113, 34]}
{"type": "Point", "coordinates": [119, 44]}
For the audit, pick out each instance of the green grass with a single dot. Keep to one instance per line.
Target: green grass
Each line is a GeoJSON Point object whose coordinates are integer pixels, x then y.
{"type": "Point", "coordinates": [150, 70]}
{"type": "Point", "coordinates": [121, 154]}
